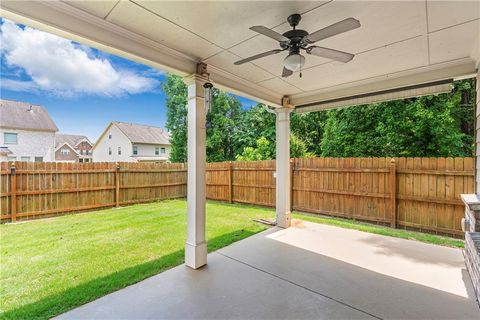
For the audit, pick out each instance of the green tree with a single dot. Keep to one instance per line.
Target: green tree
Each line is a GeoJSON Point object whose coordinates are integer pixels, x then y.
{"type": "Point", "coordinates": [440, 125]}
{"type": "Point", "coordinates": [428, 126]}
{"type": "Point", "coordinates": [176, 101]}
{"type": "Point", "coordinates": [262, 151]}
{"type": "Point", "coordinates": [298, 148]}
{"type": "Point", "coordinates": [222, 127]}
{"type": "Point", "coordinates": [254, 124]}
{"type": "Point", "coordinates": [309, 126]}
{"type": "Point", "coordinates": [221, 122]}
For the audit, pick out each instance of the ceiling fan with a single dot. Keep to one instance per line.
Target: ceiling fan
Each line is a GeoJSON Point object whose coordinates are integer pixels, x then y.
{"type": "Point", "coordinates": [296, 40]}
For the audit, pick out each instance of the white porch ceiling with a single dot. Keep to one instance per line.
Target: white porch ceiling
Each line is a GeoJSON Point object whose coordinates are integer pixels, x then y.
{"type": "Point", "coordinates": [400, 42]}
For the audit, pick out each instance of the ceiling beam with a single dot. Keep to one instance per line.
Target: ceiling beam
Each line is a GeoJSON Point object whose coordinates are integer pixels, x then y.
{"type": "Point", "coordinates": [417, 76]}
{"type": "Point", "coordinates": [443, 86]}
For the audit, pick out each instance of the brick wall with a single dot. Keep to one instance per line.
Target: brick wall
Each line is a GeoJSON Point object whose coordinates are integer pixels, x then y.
{"type": "Point", "coordinates": [70, 157]}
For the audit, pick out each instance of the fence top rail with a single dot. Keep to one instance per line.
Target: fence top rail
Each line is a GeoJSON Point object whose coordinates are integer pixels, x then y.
{"type": "Point", "coordinates": [437, 172]}
{"type": "Point", "coordinates": [373, 170]}
{"type": "Point", "coordinates": [152, 170]}
{"type": "Point", "coordinates": [40, 171]}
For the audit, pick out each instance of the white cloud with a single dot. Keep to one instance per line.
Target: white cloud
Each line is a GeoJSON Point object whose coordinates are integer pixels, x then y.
{"type": "Point", "coordinates": [16, 85]}
{"type": "Point", "coordinates": [59, 66]}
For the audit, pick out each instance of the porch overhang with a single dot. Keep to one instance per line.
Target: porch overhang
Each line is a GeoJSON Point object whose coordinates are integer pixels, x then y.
{"type": "Point", "coordinates": [399, 43]}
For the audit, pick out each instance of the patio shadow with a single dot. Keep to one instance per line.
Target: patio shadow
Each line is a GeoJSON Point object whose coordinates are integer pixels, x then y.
{"type": "Point", "coordinates": [54, 305]}
{"type": "Point", "coordinates": [415, 252]}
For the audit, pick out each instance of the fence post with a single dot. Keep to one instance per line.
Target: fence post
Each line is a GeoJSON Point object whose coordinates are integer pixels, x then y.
{"type": "Point", "coordinates": [393, 193]}
{"type": "Point", "coordinates": [292, 167]}
{"type": "Point", "coordinates": [230, 182]}
{"type": "Point", "coordinates": [117, 184]}
{"type": "Point", "coordinates": [13, 193]}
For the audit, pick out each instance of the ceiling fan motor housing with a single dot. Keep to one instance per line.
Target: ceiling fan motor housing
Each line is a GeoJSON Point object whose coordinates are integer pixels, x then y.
{"type": "Point", "coordinates": [294, 19]}
{"type": "Point", "coordinates": [296, 35]}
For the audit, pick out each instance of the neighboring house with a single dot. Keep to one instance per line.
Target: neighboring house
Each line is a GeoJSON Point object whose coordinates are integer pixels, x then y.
{"type": "Point", "coordinates": [72, 148]}
{"type": "Point", "coordinates": [27, 133]}
{"type": "Point", "coordinates": [131, 142]}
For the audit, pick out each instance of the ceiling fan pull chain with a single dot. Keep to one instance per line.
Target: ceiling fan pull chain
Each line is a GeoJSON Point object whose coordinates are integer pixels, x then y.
{"type": "Point", "coordinates": [300, 70]}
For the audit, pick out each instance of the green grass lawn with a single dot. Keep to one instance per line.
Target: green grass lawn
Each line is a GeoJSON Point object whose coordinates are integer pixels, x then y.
{"type": "Point", "coordinates": [50, 266]}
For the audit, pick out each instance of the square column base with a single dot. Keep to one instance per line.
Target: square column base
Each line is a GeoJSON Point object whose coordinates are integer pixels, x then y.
{"type": "Point", "coordinates": [196, 255]}
{"type": "Point", "coordinates": [284, 220]}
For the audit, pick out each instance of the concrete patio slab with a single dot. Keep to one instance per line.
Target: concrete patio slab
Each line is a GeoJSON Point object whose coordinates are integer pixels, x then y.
{"type": "Point", "coordinates": [389, 277]}
{"type": "Point", "coordinates": [309, 271]}
{"type": "Point", "coordinates": [224, 289]}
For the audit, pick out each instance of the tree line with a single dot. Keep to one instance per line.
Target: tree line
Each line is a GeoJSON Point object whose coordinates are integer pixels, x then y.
{"type": "Point", "coordinates": [431, 126]}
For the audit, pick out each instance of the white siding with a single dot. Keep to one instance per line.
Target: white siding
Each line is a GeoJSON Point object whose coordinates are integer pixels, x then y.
{"type": "Point", "coordinates": [148, 150]}
{"type": "Point", "coordinates": [30, 144]}
{"type": "Point", "coordinates": [100, 152]}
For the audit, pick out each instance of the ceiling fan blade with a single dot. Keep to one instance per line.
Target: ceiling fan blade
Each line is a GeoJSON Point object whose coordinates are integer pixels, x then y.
{"type": "Point", "coordinates": [330, 54]}
{"type": "Point", "coordinates": [332, 30]}
{"type": "Point", "coordinates": [257, 56]}
{"type": "Point", "coordinates": [286, 72]}
{"type": "Point", "coordinates": [270, 33]}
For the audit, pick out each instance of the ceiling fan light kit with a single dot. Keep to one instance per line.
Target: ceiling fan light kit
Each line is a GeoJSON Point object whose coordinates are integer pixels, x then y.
{"type": "Point", "coordinates": [294, 62]}
{"type": "Point", "coordinates": [296, 40]}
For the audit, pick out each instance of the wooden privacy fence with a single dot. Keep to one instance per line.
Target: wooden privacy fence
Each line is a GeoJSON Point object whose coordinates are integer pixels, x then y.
{"type": "Point", "coordinates": [420, 193]}
{"type": "Point", "coordinates": [417, 193]}
{"type": "Point", "coordinates": [31, 190]}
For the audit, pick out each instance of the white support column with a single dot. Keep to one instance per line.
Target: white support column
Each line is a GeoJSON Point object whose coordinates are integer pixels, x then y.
{"type": "Point", "coordinates": [283, 167]}
{"type": "Point", "coordinates": [196, 246]}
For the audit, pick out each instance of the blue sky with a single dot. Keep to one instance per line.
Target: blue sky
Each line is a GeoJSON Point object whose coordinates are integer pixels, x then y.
{"type": "Point", "coordinates": [82, 88]}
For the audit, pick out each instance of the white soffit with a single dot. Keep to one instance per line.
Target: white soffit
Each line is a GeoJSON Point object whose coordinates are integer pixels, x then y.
{"type": "Point", "coordinates": [405, 55]}
{"type": "Point", "coordinates": [227, 23]}
{"type": "Point", "coordinates": [98, 8]}
{"type": "Point", "coordinates": [132, 17]}
{"type": "Point", "coordinates": [443, 14]}
{"type": "Point", "coordinates": [398, 40]}
{"type": "Point", "coordinates": [454, 42]}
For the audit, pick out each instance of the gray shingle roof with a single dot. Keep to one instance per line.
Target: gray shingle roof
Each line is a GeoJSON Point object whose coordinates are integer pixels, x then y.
{"type": "Point", "coordinates": [23, 115]}
{"type": "Point", "coordinates": [71, 139]}
{"type": "Point", "coordinates": [139, 133]}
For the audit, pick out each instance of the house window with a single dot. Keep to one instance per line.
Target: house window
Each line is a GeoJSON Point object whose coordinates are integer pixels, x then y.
{"type": "Point", "coordinates": [10, 138]}
{"type": "Point", "coordinates": [38, 159]}
{"type": "Point", "coordinates": [109, 151]}
{"type": "Point", "coordinates": [86, 152]}
{"type": "Point", "coordinates": [135, 150]}
{"type": "Point", "coordinates": [157, 151]}
{"type": "Point", "coordinates": [162, 150]}
{"type": "Point", "coordinates": [110, 135]}
{"type": "Point", "coordinates": [80, 160]}
{"type": "Point", "coordinates": [119, 150]}
{"type": "Point", "coordinates": [65, 151]}
{"type": "Point", "coordinates": [12, 158]}
{"type": "Point", "coordinates": [27, 159]}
